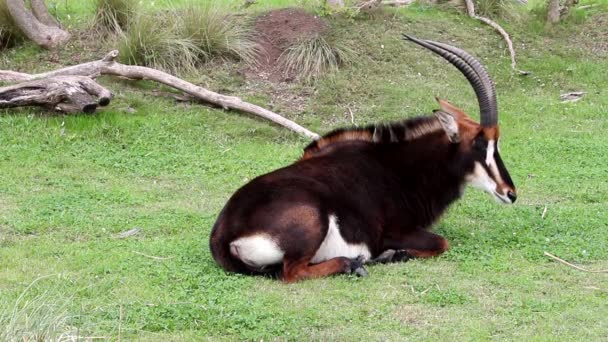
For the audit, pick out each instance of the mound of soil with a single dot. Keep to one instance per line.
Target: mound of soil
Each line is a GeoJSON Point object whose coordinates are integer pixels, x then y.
{"type": "Point", "coordinates": [277, 30]}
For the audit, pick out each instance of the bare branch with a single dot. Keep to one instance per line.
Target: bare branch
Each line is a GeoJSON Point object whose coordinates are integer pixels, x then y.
{"type": "Point", "coordinates": [572, 265]}
{"type": "Point", "coordinates": [471, 13]}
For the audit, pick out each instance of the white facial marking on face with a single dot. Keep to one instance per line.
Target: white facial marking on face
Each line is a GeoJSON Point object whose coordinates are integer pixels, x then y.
{"type": "Point", "coordinates": [490, 153]}
{"type": "Point", "coordinates": [481, 179]}
{"type": "Point", "coordinates": [491, 162]}
{"type": "Point", "coordinates": [257, 250]}
{"type": "Point", "coordinates": [334, 245]}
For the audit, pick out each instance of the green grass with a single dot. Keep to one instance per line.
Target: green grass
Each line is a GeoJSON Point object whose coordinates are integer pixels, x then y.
{"type": "Point", "coordinates": [70, 184]}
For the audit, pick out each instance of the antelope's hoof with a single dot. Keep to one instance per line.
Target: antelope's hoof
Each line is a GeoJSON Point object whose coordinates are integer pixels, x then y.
{"type": "Point", "coordinates": [356, 266]}
{"type": "Point", "coordinates": [361, 272]}
{"type": "Point", "coordinates": [401, 255]}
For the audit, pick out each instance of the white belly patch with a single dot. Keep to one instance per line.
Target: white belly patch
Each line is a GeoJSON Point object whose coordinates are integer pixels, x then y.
{"type": "Point", "coordinates": [334, 245]}
{"type": "Point", "coordinates": [257, 250]}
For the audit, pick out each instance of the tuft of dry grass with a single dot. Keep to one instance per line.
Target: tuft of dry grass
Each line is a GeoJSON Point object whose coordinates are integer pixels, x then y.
{"type": "Point", "coordinates": [114, 16]}
{"type": "Point", "coordinates": [216, 33]}
{"type": "Point", "coordinates": [38, 317]}
{"type": "Point", "coordinates": [503, 9]}
{"type": "Point", "coordinates": [312, 56]}
{"type": "Point", "coordinates": [180, 40]}
{"type": "Point", "coordinates": [156, 41]}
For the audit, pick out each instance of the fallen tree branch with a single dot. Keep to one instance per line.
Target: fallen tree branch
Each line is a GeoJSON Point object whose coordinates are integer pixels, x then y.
{"type": "Point", "coordinates": [65, 93]}
{"type": "Point", "coordinates": [572, 265]}
{"type": "Point", "coordinates": [109, 66]}
{"type": "Point", "coordinates": [370, 5]}
{"type": "Point", "coordinates": [397, 3]}
{"type": "Point", "coordinates": [471, 13]}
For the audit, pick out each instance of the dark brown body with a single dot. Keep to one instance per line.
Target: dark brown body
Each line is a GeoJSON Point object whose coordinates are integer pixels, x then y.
{"type": "Point", "coordinates": [385, 195]}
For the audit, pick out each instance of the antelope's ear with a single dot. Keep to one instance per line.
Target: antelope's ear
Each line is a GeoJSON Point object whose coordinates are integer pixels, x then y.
{"type": "Point", "coordinates": [447, 107]}
{"type": "Point", "coordinates": [449, 125]}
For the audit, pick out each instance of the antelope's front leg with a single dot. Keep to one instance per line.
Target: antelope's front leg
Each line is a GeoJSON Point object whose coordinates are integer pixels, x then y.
{"type": "Point", "coordinates": [418, 244]}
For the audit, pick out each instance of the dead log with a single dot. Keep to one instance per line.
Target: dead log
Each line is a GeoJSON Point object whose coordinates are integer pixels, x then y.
{"type": "Point", "coordinates": [109, 66]}
{"type": "Point", "coordinates": [35, 28]}
{"type": "Point", "coordinates": [65, 93]}
{"type": "Point", "coordinates": [471, 12]}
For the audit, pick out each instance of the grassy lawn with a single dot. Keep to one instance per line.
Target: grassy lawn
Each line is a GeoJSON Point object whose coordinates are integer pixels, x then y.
{"type": "Point", "coordinates": [70, 184]}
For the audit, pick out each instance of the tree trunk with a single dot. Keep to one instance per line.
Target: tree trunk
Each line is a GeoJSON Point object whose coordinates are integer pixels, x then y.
{"type": "Point", "coordinates": [41, 12]}
{"type": "Point", "coordinates": [46, 36]}
{"type": "Point", "coordinates": [553, 12]}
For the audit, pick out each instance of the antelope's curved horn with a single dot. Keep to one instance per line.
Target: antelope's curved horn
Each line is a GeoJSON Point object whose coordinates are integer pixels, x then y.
{"type": "Point", "coordinates": [475, 73]}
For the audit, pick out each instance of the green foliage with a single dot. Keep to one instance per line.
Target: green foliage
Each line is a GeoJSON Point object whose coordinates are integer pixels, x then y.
{"type": "Point", "coordinates": [311, 57]}
{"type": "Point", "coordinates": [113, 16]}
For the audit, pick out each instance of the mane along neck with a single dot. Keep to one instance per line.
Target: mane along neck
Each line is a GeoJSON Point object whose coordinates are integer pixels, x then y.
{"type": "Point", "coordinates": [384, 133]}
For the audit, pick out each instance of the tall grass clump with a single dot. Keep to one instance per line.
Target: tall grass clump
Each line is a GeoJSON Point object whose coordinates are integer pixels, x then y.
{"type": "Point", "coordinates": [502, 9]}
{"type": "Point", "coordinates": [216, 33]}
{"type": "Point", "coordinates": [36, 317]}
{"type": "Point", "coordinates": [310, 57]}
{"type": "Point", "coordinates": [155, 40]}
{"type": "Point", "coordinates": [113, 16]}
{"type": "Point", "coordinates": [9, 32]}
{"type": "Point", "coordinates": [182, 39]}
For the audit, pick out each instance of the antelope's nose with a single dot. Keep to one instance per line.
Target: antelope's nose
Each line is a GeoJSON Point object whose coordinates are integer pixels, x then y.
{"type": "Point", "coordinates": [512, 196]}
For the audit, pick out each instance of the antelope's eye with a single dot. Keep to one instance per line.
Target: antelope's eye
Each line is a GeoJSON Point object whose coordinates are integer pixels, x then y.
{"type": "Point", "coordinates": [480, 144]}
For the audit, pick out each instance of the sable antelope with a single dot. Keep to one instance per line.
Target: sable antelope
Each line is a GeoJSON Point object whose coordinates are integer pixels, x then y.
{"type": "Point", "coordinates": [366, 194]}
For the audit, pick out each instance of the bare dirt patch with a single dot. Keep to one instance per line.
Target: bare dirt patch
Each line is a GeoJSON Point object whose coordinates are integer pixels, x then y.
{"type": "Point", "coordinates": [276, 31]}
